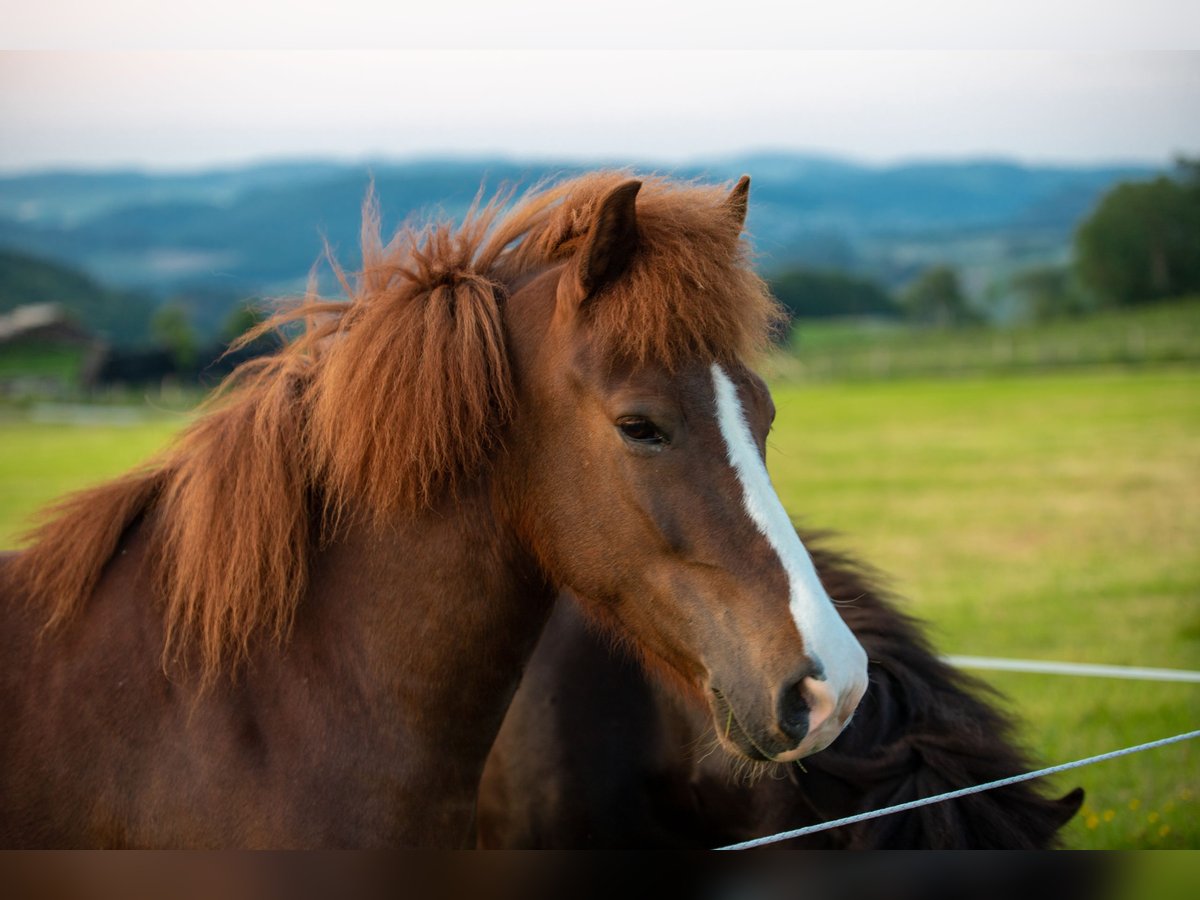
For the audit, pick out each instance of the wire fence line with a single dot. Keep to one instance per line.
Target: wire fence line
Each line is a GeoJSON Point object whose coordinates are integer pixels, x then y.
{"type": "Point", "coordinates": [1048, 667]}
{"type": "Point", "coordinates": [954, 795]}
{"type": "Point", "coordinates": [988, 663]}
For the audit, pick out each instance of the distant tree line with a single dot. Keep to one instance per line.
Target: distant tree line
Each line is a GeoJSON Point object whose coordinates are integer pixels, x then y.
{"type": "Point", "coordinates": [936, 298]}
{"type": "Point", "coordinates": [1140, 245]}
{"type": "Point", "coordinates": [817, 294]}
{"type": "Point", "coordinates": [179, 353]}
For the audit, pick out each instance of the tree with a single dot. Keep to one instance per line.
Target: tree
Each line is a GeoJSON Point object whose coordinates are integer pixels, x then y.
{"type": "Point", "coordinates": [936, 298]}
{"type": "Point", "coordinates": [239, 321]}
{"type": "Point", "coordinates": [1142, 243]}
{"type": "Point", "coordinates": [1048, 292]}
{"type": "Point", "coordinates": [812, 294]}
{"type": "Point", "coordinates": [174, 332]}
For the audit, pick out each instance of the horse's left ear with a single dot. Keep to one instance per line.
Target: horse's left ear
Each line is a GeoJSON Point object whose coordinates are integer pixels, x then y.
{"type": "Point", "coordinates": [611, 240]}
{"type": "Point", "coordinates": [738, 200]}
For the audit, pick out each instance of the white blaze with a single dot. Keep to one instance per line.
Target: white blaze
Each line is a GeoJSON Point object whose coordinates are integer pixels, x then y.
{"type": "Point", "coordinates": [826, 637]}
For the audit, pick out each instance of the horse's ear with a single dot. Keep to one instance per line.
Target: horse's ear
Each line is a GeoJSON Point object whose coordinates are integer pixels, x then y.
{"type": "Point", "coordinates": [738, 200]}
{"type": "Point", "coordinates": [611, 240]}
{"type": "Point", "coordinates": [1067, 806]}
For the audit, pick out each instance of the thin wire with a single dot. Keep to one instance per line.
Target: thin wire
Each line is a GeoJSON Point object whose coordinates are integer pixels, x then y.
{"type": "Point", "coordinates": [1047, 667]}
{"type": "Point", "coordinates": [954, 795]}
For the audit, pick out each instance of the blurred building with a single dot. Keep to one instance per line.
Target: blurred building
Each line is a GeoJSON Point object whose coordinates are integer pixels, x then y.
{"type": "Point", "coordinates": [42, 324]}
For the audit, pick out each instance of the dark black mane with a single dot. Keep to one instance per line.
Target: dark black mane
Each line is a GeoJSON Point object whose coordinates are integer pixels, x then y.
{"type": "Point", "coordinates": [924, 728]}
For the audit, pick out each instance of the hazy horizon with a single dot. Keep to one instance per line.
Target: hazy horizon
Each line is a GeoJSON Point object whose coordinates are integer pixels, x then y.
{"type": "Point", "coordinates": [433, 156]}
{"type": "Point", "coordinates": [178, 111]}
{"type": "Point", "coordinates": [534, 159]}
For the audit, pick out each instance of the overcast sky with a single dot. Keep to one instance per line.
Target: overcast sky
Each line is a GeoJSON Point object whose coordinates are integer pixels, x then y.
{"type": "Point", "coordinates": [1119, 86]}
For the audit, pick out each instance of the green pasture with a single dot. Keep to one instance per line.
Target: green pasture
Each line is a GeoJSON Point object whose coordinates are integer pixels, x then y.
{"type": "Point", "coordinates": [46, 452]}
{"type": "Point", "coordinates": [1049, 516]}
{"type": "Point", "coordinates": [42, 361]}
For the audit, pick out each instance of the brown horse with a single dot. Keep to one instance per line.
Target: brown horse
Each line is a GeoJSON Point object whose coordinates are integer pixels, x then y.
{"type": "Point", "coordinates": [593, 754]}
{"type": "Point", "coordinates": [302, 625]}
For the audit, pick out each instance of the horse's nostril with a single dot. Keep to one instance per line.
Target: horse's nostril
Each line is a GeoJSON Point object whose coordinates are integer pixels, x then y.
{"type": "Point", "coordinates": [793, 711]}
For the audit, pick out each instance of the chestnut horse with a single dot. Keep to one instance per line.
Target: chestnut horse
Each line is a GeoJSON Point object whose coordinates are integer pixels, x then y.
{"type": "Point", "coordinates": [302, 625]}
{"type": "Point", "coordinates": [593, 754]}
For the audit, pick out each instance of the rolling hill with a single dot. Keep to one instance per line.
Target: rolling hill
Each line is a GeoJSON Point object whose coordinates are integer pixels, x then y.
{"type": "Point", "coordinates": [216, 237]}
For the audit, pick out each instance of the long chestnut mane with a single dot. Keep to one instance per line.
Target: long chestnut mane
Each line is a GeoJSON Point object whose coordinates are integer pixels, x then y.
{"type": "Point", "coordinates": [384, 404]}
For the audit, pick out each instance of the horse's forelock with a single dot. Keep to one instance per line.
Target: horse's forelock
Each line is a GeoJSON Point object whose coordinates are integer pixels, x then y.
{"type": "Point", "coordinates": [690, 291]}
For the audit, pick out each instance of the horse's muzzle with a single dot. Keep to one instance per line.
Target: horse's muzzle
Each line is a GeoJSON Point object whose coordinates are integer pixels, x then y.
{"type": "Point", "coordinates": [806, 718]}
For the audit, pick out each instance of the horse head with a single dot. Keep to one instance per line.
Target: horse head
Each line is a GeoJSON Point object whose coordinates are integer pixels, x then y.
{"type": "Point", "coordinates": [638, 460]}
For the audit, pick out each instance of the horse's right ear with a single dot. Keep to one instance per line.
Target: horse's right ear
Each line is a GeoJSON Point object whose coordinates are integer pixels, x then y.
{"type": "Point", "coordinates": [738, 200]}
{"type": "Point", "coordinates": [612, 239]}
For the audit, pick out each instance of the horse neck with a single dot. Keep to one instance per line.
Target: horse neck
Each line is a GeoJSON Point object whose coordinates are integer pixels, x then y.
{"type": "Point", "coordinates": [438, 615]}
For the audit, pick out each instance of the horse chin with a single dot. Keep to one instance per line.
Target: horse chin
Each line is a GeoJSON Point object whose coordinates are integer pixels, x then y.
{"type": "Point", "coordinates": [736, 738]}
{"type": "Point", "coordinates": [730, 733]}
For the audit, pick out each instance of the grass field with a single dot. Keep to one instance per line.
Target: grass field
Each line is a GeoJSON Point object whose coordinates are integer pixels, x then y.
{"type": "Point", "coordinates": [1052, 516]}
{"type": "Point", "coordinates": [58, 363]}
{"type": "Point", "coordinates": [42, 460]}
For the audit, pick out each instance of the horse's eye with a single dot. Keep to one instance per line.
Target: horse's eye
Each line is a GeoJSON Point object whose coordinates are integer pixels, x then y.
{"type": "Point", "coordinates": [641, 430]}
